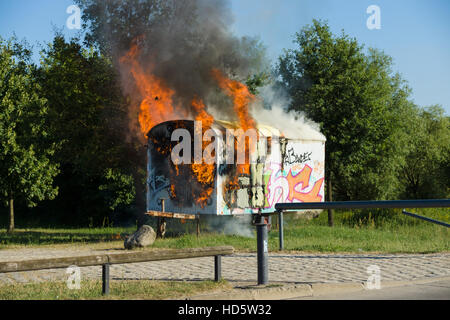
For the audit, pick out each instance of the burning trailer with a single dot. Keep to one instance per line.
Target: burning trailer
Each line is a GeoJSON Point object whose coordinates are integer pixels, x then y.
{"type": "Point", "coordinates": [274, 167]}
{"type": "Point", "coordinates": [249, 166]}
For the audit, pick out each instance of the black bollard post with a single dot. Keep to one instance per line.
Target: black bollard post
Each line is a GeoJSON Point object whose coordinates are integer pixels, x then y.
{"type": "Point", "coordinates": [280, 229]}
{"type": "Point", "coordinates": [105, 279]}
{"type": "Point", "coordinates": [263, 250]}
{"type": "Point", "coordinates": [217, 268]}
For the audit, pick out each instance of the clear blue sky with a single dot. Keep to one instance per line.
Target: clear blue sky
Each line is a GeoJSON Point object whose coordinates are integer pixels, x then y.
{"type": "Point", "coordinates": [415, 33]}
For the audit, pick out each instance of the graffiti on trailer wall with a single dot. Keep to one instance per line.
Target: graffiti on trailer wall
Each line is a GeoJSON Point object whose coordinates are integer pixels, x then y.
{"type": "Point", "coordinates": [291, 187]}
{"type": "Point", "coordinates": [298, 177]}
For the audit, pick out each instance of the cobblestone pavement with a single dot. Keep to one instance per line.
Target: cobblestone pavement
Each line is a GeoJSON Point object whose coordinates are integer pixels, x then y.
{"type": "Point", "coordinates": [298, 268]}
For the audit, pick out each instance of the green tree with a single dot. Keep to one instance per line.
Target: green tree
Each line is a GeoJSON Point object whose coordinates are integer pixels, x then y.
{"type": "Point", "coordinates": [118, 188]}
{"type": "Point", "coordinates": [27, 168]}
{"type": "Point", "coordinates": [88, 115]}
{"type": "Point", "coordinates": [361, 107]}
{"type": "Point", "coordinates": [257, 81]}
{"type": "Point", "coordinates": [426, 171]}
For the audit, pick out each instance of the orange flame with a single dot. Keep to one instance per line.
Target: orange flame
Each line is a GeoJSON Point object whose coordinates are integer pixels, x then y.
{"type": "Point", "coordinates": [202, 199]}
{"type": "Point", "coordinates": [241, 98]}
{"type": "Point", "coordinates": [202, 115]}
{"type": "Point", "coordinates": [157, 104]}
{"type": "Point", "coordinates": [172, 191]}
{"type": "Point", "coordinates": [203, 172]}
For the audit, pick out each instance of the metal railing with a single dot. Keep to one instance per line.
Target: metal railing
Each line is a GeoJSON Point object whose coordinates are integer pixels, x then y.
{"type": "Point", "coordinates": [105, 260]}
{"type": "Point", "coordinates": [429, 203]}
{"type": "Point", "coordinates": [262, 233]}
{"type": "Point", "coordinates": [425, 218]}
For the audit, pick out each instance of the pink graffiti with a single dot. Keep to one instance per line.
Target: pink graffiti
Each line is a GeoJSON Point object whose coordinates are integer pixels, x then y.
{"type": "Point", "coordinates": [291, 188]}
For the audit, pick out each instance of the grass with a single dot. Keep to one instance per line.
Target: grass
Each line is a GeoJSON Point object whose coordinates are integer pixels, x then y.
{"type": "Point", "coordinates": [79, 236]}
{"type": "Point", "coordinates": [91, 290]}
{"type": "Point", "coordinates": [385, 231]}
{"type": "Point", "coordinates": [381, 231]}
{"type": "Point", "coordinates": [324, 239]}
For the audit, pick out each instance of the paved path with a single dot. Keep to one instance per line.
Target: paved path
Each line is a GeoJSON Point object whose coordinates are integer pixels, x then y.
{"type": "Point", "coordinates": [294, 268]}
{"type": "Point", "coordinates": [436, 290]}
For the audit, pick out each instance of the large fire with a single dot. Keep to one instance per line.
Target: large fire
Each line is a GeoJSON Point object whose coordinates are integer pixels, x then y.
{"type": "Point", "coordinates": [202, 115]}
{"type": "Point", "coordinates": [157, 105]}
{"type": "Point", "coordinates": [157, 99]}
{"type": "Point", "coordinates": [240, 95]}
{"type": "Point", "coordinates": [204, 172]}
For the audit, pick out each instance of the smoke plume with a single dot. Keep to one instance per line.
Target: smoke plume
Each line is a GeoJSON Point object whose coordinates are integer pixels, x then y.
{"type": "Point", "coordinates": [231, 225]}
{"type": "Point", "coordinates": [183, 49]}
{"type": "Point", "coordinates": [172, 53]}
{"type": "Point", "coordinates": [291, 124]}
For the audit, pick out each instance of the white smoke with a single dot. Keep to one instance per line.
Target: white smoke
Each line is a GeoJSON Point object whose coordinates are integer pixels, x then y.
{"type": "Point", "coordinates": [292, 124]}
{"type": "Point", "coordinates": [232, 225]}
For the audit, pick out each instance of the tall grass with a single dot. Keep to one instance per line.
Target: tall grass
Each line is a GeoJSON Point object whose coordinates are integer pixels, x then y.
{"type": "Point", "coordinates": [387, 231]}
{"type": "Point", "coordinates": [370, 230]}
{"type": "Point", "coordinates": [374, 230]}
